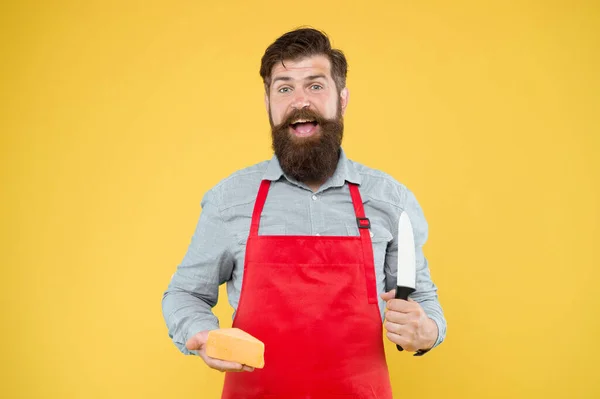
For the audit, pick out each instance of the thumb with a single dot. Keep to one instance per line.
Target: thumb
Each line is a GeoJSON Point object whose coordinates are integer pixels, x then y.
{"type": "Point", "coordinates": [388, 295]}
{"type": "Point", "coordinates": [196, 341]}
{"type": "Point", "coordinates": [192, 343]}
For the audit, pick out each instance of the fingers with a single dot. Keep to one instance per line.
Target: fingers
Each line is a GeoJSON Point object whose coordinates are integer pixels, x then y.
{"type": "Point", "coordinates": [404, 342]}
{"type": "Point", "coordinates": [223, 365]}
{"type": "Point", "coordinates": [406, 330]}
{"type": "Point", "coordinates": [398, 317]}
{"type": "Point", "coordinates": [402, 306]}
{"type": "Point", "coordinates": [401, 327]}
{"type": "Point", "coordinates": [386, 296]}
{"type": "Point", "coordinates": [398, 305]}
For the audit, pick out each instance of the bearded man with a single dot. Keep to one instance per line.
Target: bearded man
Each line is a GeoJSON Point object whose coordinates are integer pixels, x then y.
{"type": "Point", "coordinates": [307, 244]}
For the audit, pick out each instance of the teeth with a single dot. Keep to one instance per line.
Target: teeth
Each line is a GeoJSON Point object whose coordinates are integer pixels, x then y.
{"type": "Point", "coordinates": [302, 120]}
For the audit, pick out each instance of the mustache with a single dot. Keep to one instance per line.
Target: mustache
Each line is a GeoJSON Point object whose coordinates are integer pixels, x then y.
{"type": "Point", "coordinates": [303, 113]}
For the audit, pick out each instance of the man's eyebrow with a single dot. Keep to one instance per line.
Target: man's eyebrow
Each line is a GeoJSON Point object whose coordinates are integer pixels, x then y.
{"type": "Point", "coordinates": [287, 78]}
{"type": "Point", "coordinates": [284, 78]}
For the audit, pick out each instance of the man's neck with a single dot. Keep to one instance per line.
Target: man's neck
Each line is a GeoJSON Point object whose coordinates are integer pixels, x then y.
{"type": "Point", "coordinates": [316, 185]}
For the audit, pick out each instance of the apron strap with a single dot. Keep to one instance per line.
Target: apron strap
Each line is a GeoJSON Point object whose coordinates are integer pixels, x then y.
{"type": "Point", "coordinates": [365, 237]}
{"type": "Point", "coordinates": [258, 206]}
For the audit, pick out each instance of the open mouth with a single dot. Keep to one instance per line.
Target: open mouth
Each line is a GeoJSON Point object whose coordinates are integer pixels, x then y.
{"type": "Point", "coordinates": [304, 127]}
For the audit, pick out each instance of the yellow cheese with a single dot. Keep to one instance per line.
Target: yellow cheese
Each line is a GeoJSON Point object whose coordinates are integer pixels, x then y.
{"type": "Point", "coordinates": [235, 345]}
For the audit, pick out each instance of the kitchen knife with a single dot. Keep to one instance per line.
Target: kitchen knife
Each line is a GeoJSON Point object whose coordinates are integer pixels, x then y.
{"type": "Point", "coordinates": [406, 260]}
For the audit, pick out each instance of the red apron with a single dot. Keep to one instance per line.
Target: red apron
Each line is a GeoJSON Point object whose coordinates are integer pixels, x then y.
{"type": "Point", "coordinates": [313, 301]}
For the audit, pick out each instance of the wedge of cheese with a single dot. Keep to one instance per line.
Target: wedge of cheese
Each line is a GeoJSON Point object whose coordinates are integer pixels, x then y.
{"type": "Point", "coordinates": [235, 345]}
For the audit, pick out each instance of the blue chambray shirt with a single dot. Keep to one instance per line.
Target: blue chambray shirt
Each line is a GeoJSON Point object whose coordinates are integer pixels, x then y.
{"type": "Point", "coordinates": [217, 249]}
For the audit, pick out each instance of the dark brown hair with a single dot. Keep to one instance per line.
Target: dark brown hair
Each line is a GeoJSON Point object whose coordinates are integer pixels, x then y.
{"type": "Point", "coordinates": [300, 43]}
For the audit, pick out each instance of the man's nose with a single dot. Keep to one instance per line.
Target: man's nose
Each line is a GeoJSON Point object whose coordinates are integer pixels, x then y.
{"type": "Point", "coordinates": [300, 100]}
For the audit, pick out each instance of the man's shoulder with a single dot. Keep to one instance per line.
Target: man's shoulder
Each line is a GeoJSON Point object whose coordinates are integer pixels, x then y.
{"type": "Point", "coordinates": [239, 187]}
{"type": "Point", "coordinates": [380, 186]}
{"type": "Point", "coordinates": [252, 174]}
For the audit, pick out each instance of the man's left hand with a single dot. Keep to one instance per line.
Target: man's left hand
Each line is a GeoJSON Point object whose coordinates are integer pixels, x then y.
{"type": "Point", "coordinates": [407, 324]}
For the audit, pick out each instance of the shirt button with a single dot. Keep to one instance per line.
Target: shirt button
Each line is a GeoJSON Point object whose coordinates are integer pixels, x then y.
{"type": "Point", "coordinates": [314, 197]}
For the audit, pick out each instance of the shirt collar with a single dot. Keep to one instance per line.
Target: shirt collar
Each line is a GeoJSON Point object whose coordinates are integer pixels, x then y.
{"type": "Point", "coordinates": [345, 171]}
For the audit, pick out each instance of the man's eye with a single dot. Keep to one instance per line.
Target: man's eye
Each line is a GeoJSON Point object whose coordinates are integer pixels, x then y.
{"type": "Point", "coordinates": [316, 87]}
{"type": "Point", "coordinates": [284, 90]}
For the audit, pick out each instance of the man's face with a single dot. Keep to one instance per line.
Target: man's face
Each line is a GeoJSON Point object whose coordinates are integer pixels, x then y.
{"type": "Point", "coordinates": [305, 112]}
{"type": "Point", "coordinates": [301, 84]}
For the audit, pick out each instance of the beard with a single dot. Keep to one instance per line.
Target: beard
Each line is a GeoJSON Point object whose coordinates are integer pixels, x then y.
{"type": "Point", "coordinates": [313, 158]}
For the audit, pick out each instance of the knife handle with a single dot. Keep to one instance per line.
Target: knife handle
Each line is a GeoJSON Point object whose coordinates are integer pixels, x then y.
{"type": "Point", "coordinates": [403, 293]}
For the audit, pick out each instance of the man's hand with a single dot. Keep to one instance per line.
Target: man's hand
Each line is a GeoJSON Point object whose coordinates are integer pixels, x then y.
{"type": "Point", "coordinates": [198, 343]}
{"type": "Point", "coordinates": [407, 324]}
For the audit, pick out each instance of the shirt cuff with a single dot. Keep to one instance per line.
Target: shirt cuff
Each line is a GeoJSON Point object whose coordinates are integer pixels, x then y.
{"type": "Point", "coordinates": [440, 336]}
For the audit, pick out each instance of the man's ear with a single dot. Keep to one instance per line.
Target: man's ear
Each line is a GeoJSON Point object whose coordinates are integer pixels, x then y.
{"type": "Point", "coordinates": [267, 102]}
{"type": "Point", "coordinates": [344, 98]}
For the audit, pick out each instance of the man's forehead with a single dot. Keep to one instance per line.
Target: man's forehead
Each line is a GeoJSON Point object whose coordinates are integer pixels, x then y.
{"type": "Point", "coordinates": [303, 66]}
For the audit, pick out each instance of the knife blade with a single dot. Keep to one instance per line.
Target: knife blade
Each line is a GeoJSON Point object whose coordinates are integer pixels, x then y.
{"type": "Point", "coordinates": [406, 271]}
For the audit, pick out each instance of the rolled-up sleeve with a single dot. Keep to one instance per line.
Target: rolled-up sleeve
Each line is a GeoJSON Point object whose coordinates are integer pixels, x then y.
{"type": "Point", "coordinates": [194, 288]}
{"type": "Point", "coordinates": [426, 290]}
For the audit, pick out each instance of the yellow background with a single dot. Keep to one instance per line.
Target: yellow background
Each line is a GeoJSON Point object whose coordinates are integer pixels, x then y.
{"type": "Point", "coordinates": [116, 118]}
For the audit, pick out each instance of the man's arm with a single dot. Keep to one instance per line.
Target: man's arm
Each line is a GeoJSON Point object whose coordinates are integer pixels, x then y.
{"type": "Point", "coordinates": [194, 288]}
{"type": "Point", "coordinates": [426, 291]}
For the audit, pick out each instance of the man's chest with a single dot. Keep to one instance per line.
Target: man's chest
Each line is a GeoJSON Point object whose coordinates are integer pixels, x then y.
{"type": "Point", "coordinates": [301, 212]}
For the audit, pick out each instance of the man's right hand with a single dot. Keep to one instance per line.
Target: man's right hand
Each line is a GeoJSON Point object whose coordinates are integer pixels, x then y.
{"type": "Point", "coordinates": [198, 343]}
